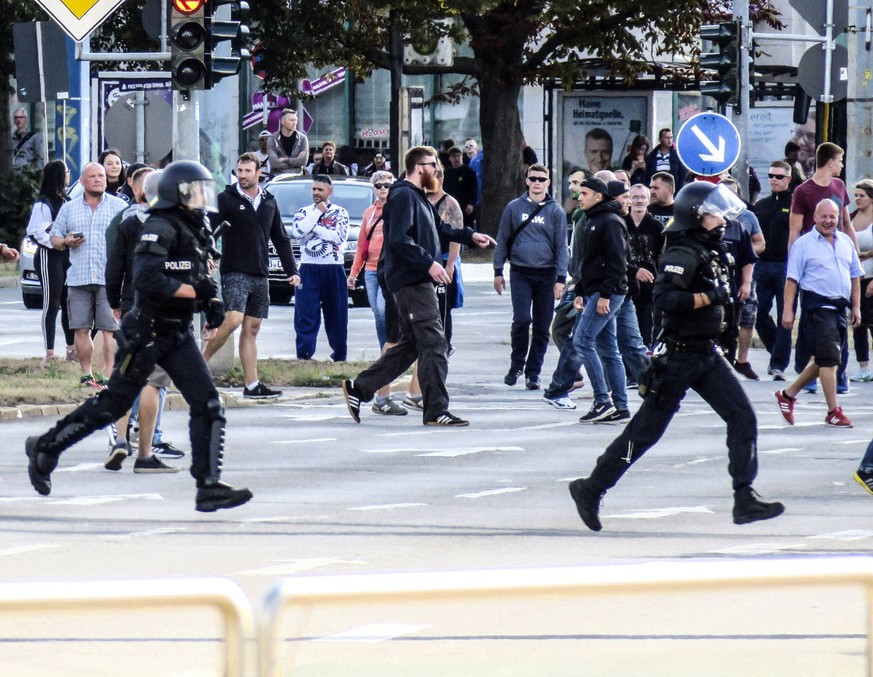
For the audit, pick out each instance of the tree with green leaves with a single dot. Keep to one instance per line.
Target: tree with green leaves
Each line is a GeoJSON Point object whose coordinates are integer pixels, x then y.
{"type": "Point", "coordinates": [514, 42]}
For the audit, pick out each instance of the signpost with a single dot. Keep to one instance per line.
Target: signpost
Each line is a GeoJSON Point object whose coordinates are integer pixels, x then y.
{"type": "Point", "coordinates": [79, 17]}
{"type": "Point", "coordinates": [708, 144]}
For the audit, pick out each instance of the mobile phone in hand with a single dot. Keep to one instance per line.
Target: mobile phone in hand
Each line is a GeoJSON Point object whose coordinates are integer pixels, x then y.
{"type": "Point", "coordinates": [78, 235]}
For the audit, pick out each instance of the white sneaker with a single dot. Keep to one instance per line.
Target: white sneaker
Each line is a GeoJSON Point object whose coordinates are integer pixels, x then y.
{"type": "Point", "coordinates": [563, 402]}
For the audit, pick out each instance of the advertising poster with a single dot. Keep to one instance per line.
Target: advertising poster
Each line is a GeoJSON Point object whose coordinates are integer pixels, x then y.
{"type": "Point", "coordinates": [597, 130]}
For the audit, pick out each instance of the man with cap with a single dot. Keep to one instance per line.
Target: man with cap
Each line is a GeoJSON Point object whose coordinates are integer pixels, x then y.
{"type": "Point", "coordinates": [691, 290]}
{"type": "Point", "coordinates": [600, 292]}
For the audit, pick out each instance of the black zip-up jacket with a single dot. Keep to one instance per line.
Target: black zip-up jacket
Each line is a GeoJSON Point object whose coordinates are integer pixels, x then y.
{"type": "Point", "coordinates": [119, 262]}
{"type": "Point", "coordinates": [244, 243]}
{"type": "Point", "coordinates": [411, 241]}
{"type": "Point", "coordinates": [604, 247]}
{"type": "Point", "coordinates": [773, 213]}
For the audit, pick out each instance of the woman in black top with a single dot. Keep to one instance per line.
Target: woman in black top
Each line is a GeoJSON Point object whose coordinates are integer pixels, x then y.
{"type": "Point", "coordinates": [634, 163]}
{"type": "Point", "coordinates": [51, 264]}
{"type": "Point", "coordinates": [116, 177]}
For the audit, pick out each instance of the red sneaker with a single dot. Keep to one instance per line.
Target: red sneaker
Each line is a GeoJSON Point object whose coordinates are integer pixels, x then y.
{"type": "Point", "coordinates": [837, 419]}
{"type": "Point", "coordinates": [786, 406]}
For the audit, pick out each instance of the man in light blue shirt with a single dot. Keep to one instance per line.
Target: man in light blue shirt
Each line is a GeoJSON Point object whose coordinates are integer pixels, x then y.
{"type": "Point", "coordinates": [81, 227]}
{"type": "Point", "coordinates": [825, 266]}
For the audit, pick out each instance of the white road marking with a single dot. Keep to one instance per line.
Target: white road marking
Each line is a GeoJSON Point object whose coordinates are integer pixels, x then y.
{"type": "Point", "coordinates": [783, 450]}
{"type": "Point", "coordinates": [99, 500]}
{"type": "Point", "coordinates": [863, 441]}
{"type": "Point", "coordinates": [848, 535]}
{"type": "Point", "coordinates": [311, 417]}
{"type": "Point", "coordinates": [24, 549]}
{"type": "Point", "coordinates": [696, 461]}
{"type": "Point", "coordinates": [373, 633]}
{"type": "Point", "coordinates": [283, 518]}
{"type": "Point", "coordinates": [387, 506]}
{"type": "Point", "coordinates": [147, 532]}
{"type": "Point", "coordinates": [465, 451]}
{"type": "Point", "coordinates": [759, 549]}
{"type": "Point", "coordinates": [314, 439]}
{"type": "Point", "coordinates": [289, 567]}
{"type": "Point", "coordinates": [492, 492]}
{"type": "Point", "coordinates": [785, 426]}
{"type": "Point", "coordinates": [80, 467]}
{"type": "Point", "coordinates": [657, 513]}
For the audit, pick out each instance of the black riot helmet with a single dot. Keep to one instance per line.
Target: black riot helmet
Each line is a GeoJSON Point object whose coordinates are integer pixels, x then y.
{"type": "Point", "coordinates": [186, 184]}
{"type": "Point", "coordinates": [699, 198]}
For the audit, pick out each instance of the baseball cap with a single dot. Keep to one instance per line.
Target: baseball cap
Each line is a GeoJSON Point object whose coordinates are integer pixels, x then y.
{"type": "Point", "coordinates": [264, 133]}
{"type": "Point", "coordinates": [598, 186]}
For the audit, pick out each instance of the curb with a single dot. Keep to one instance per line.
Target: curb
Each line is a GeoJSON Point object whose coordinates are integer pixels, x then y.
{"type": "Point", "coordinates": [231, 399]}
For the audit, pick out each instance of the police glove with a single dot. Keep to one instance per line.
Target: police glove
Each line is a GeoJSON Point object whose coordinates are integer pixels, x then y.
{"type": "Point", "coordinates": [214, 311]}
{"type": "Point", "coordinates": [206, 289]}
{"type": "Point", "coordinates": [720, 296]}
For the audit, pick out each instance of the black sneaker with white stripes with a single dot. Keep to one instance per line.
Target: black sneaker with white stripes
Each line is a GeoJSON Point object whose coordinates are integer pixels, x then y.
{"type": "Point", "coordinates": [598, 412]}
{"type": "Point", "coordinates": [449, 420]}
{"type": "Point", "coordinates": [353, 400]}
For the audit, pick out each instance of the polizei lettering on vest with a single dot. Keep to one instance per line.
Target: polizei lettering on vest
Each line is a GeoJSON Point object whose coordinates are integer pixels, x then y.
{"type": "Point", "coordinates": [177, 265]}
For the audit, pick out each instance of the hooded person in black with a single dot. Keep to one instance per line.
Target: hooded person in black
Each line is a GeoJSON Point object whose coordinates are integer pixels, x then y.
{"type": "Point", "coordinates": [600, 293]}
{"type": "Point", "coordinates": [411, 264]}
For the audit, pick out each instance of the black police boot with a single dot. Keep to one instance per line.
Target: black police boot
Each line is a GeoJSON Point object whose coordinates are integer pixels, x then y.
{"type": "Point", "coordinates": [748, 507]}
{"type": "Point", "coordinates": [39, 466]}
{"type": "Point", "coordinates": [214, 496]}
{"type": "Point", "coordinates": [587, 500]}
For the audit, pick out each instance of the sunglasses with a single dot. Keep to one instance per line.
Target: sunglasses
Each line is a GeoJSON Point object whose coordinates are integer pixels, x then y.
{"type": "Point", "coordinates": [427, 164]}
{"type": "Point", "coordinates": [380, 186]}
{"type": "Point", "coordinates": [778, 177]}
{"type": "Point", "coordinates": [537, 179]}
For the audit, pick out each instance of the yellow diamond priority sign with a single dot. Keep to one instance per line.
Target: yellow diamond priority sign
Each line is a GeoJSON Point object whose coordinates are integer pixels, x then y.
{"type": "Point", "coordinates": [79, 17]}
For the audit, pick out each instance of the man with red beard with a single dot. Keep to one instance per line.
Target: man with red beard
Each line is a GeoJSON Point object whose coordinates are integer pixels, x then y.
{"type": "Point", "coordinates": [411, 265]}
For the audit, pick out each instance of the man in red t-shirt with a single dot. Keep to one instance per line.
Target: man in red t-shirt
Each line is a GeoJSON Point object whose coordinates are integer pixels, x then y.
{"type": "Point", "coordinates": [824, 185]}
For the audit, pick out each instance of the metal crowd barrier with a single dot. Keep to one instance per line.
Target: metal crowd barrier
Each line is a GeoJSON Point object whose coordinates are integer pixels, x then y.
{"type": "Point", "coordinates": [224, 595]}
{"type": "Point", "coordinates": [655, 577]}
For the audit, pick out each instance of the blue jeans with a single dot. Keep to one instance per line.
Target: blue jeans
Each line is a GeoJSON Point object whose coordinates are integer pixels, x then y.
{"type": "Point", "coordinates": [377, 304]}
{"type": "Point", "coordinates": [769, 279]}
{"type": "Point", "coordinates": [533, 303]}
{"type": "Point", "coordinates": [582, 350]}
{"type": "Point", "coordinates": [867, 462]}
{"type": "Point", "coordinates": [633, 350]}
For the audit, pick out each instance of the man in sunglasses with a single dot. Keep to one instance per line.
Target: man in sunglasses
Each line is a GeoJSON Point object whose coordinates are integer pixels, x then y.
{"type": "Point", "coordinates": [773, 214]}
{"type": "Point", "coordinates": [412, 265]}
{"type": "Point", "coordinates": [532, 237]}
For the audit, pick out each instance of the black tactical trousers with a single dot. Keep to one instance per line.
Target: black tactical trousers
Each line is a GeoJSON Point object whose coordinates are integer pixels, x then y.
{"type": "Point", "coordinates": [709, 375]}
{"type": "Point", "coordinates": [177, 352]}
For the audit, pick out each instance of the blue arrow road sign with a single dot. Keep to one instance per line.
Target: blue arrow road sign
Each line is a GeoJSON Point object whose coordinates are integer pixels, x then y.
{"type": "Point", "coordinates": [708, 144]}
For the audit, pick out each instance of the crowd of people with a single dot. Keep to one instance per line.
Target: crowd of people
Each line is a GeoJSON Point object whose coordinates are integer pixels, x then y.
{"type": "Point", "coordinates": [666, 275]}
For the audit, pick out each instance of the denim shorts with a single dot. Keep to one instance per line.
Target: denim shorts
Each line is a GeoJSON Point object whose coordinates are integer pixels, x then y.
{"type": "Point", "coordinates": [246, 294]}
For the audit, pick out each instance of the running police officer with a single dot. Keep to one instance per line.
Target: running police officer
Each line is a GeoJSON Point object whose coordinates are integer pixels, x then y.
{"type": "Point", "coordinates": [171, 279]}
{"type": "Point", "coordinates": [690, 294]}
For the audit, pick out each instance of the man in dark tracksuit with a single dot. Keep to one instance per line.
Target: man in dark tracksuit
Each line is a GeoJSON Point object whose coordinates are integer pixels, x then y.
{"type": "Point", "coordinates": [690, 293]}
{"type": "Point", "coordinates": [254, 220]}
{"type": "Point", "coordinates": [412, 263]}
{"type": "Point", "coordinates": [171, 278]}
{"type": "Point", "coordinates": [533, 237]}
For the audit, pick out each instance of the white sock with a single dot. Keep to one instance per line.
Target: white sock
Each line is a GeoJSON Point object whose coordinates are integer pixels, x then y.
{"type": "Point", "coordinates": [253, 384]}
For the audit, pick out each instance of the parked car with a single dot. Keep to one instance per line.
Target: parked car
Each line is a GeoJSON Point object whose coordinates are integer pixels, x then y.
{"type": "Point", "coordinates": [293, 192]}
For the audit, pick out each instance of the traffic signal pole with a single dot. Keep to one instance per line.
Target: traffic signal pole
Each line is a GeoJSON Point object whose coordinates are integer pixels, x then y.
{"type": "Point", "coordinates": [741, 110]}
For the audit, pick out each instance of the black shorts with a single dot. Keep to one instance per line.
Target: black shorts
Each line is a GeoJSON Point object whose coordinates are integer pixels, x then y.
{"type": "Point", "coordinates": [246, 294]}
{"type": "Point", "coordinates": [822, 332]}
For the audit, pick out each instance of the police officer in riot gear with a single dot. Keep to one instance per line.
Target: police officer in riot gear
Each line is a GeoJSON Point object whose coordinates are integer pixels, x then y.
{"type": "Point", "coordinates": [690, 294]}
{"type": "Point", "coordinates": [172, 282]}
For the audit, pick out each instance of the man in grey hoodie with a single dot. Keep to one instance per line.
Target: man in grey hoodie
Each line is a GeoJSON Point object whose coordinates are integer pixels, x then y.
{"type": "Point", "coordinates": [532, 237]}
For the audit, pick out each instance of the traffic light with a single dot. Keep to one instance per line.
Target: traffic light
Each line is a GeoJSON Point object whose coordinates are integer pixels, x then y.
{"type": "Point", "coordinates": [188, 43]}
{"type": "Point", "coordinates": [235, 32]}
{"type": "Point", "coordinates": [725, 62]}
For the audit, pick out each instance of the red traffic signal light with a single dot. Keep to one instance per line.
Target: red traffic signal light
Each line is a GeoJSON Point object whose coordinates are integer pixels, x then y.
{"type": "Point", "coordinates": [188, 6]}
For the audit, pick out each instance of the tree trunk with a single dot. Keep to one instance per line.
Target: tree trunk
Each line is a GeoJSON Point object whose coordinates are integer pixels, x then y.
{"type": "Point", "coordinates": [501, 142]}
{"type": "Point", "coordinates": [5, 136]}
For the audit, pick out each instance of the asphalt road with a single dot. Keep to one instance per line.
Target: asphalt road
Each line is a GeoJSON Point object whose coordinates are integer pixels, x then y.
{"type": "Point", "coordinates": [390, 495]}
